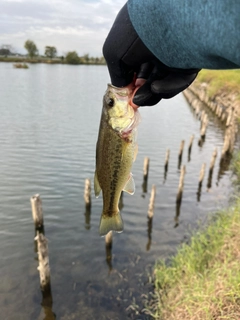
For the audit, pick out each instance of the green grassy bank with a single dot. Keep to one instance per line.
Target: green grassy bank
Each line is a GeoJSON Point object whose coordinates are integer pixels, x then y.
{"type": "Point", "coordinates": [221, 81]}
{"type": "Point", "coordinates": [202, 281]}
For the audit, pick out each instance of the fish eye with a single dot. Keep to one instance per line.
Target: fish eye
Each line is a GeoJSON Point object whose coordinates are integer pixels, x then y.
{"type": "Point", "coordinates": [110, 102]}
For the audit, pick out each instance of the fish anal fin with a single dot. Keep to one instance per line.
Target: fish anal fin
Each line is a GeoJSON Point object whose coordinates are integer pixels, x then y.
{"type": "Point", "coordinates": [130, 185]}
{"type": "Point", "coordinates": [97, 188]}
{"type": "Point", "coordinates": [113, 223]}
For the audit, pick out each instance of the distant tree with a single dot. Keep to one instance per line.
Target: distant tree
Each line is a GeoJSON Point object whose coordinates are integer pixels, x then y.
{"type": "Point", "coordinates": [4, 52]}
{"type": "Point", "coordinates": [6, 49]}
{"type": "Point", "coordinates": [86, 58]}
{"type": "Point", "coordinates": [31, 48]}
{"type": "Point", "coordinates": [50, 52]}
{"type": "Point", "coordinates": [72, 57]}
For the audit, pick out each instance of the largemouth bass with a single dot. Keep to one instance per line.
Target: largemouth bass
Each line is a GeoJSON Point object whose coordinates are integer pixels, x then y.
{"type": "Point", "coordinates": [115, 152]}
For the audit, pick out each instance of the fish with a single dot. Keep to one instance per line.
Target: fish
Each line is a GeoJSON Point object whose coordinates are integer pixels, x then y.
{"type": "Point", "coordinates": [116, 150]}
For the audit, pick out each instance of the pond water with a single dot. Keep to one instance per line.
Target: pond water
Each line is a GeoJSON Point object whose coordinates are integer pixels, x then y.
{"type": "Point", "coordinates": [49, 119]}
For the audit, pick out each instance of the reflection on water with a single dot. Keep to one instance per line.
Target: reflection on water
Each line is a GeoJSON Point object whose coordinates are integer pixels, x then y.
{"type": "Point", "coordinates": [48, 130]}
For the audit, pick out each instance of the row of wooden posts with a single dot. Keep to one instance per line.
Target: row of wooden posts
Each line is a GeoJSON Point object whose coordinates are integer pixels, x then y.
{"type": "Point", "coordinates": [41, 240]}
{"type": "Point", "coordinates": [37, 213]}
{"type": "Point", "coordinates": [36, 203]}
{"type": "Point", "coordinates": [227, 117]}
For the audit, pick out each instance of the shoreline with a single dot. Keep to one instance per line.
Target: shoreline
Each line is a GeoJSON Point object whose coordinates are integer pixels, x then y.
{"type": "Point", "coordinates": [47, 61]}
{"type": "Point", "coordinates": [219, 96]}
{"type": "Point", "coordinates": [202, 280]}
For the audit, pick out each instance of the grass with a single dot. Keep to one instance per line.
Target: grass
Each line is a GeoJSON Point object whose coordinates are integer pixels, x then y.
{"type": "Point", "coordinates": [202, 281]}
{"type": "Point", "coordinates": [221, 81]}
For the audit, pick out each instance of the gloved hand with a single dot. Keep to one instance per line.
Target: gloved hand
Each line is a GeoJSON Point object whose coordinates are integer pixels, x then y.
{"type": "Point", "coordinates": [127, 56]}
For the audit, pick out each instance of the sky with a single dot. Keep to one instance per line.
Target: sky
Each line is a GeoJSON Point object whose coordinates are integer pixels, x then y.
{"type": "Point", "coordinates": [69, 25]}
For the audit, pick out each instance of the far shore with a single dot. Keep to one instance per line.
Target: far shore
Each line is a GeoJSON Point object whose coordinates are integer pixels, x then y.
{"type": "Point", "coordinates": [59, 60]}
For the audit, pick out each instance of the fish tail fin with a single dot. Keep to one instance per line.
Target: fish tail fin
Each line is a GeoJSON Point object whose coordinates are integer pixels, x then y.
{"type": "Point", "coordinates": [113, 223]}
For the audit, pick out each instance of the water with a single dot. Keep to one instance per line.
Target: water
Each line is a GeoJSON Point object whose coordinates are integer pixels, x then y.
{"type": "Point", "coordinates": [48, 130]}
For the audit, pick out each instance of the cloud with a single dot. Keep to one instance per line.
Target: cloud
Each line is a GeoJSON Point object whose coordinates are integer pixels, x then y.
{"type": "Point", "coordinates": [79, 25]}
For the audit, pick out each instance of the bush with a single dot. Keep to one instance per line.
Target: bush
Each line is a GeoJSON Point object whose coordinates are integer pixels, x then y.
{"type": "Point", "coordinates": [72, 58]}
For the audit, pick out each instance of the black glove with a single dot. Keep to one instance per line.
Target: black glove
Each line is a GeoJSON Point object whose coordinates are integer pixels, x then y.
{"type": "Point", "coordinates": [126, 55]}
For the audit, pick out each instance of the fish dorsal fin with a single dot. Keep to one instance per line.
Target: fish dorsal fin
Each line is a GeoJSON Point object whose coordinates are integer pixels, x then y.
{"type": "Point", "coordinates": [97, 188]}
{"type": "Point", "coordinates": [130, 185]}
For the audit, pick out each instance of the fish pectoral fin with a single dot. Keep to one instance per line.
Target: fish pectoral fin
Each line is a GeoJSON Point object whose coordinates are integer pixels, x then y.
{"type": "Point", "coordinates": [97, 188]}
{"type": "Point", "coordinates": [113, 223]}
{"type": "Point", "coordinates": [130, 185]}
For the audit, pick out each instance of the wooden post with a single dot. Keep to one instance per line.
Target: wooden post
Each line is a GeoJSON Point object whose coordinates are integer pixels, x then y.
{"type": "Point", "coordinates": [167, 159]}
{"type": "Point", "coordinates": [87, 198]}
{"type": "Point", "coordinates": [229, 118]}
{"type": "Point", "coordinates": [213, 159]}
{"type": "Point", "coordinates": [150, 216]}
{"type": "Point", "coordinates": [108, 243]}
{"type": "Point", "coordinates": [87, 193]}
{"type": "Point", "coordinates": [146, 168]}
{"type": "Point", "coordinates": [145, 174]}
{"type": "Point", "coordinates": [37, 213]}
{"type": "Point", "coordinates": [204, 126]}
{"type": "Point", "coordinates": [226, 144]}
{"type": "Point", "coordinates": [201, 176]}
{"type": "Point", "coordinates": [43, 259]}
{"type": "Point", "coordinates": [181, 185]}
{"type": "Point", "coordinates": [212, 163]}
{"type": "Point", "coordinates": [190, 147]}
{"type": "Point", "coordinates": [166, 165]}
{"type": "Point", "coordinates": [180, 153]}
{"type": "Point", "coordinates": [149, 229]}
{"type": "Point", "coordinates": [202, 116]}
{"type": "Point", "coordinates": [202, 172]}
{"type": "Point", "coordinates": [151, 202]}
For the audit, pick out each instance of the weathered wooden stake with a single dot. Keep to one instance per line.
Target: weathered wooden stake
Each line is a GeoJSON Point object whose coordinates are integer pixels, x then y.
{"type": "Point", "coordinates": [212, 163]}
{"type": "Point", "coordinates": [229, 139]}
{"type": "Point", "coordinates": [181, 148]}
{"type": "Point", "coordinates": [37, 213]}
{"type": "Point", "coordinates": [87, 198]}
{"type": "Point", "coordinates": [108, 242]}
{"type": "Point", "coordinates": [204, 126]}
{"type": "Point", "coordinates": [87, 193]}
{"type": "Point", "coordinates": [43, 259]}
{"type": "Point", "coordinates": [146, 168]}
{"type": "Point", "coordinates": [145, 174]}
{"type": "Point", "coordinates": [190, 147]}
{"type": "Point", "coordinates": [151, 202]}
{"type": "Point", "coordinates": [167, 159]}
{"type": "Point", "coordinates": [149, 228]}
{"type": "Point", "coordinates": [229, 118]}
{"type": "Point", "coordinates": [202, 116]}
{"type": "Point", "coordinates": [201, 176]}
{"type": "Point", "coordinates": [181, 185]}
{"type": "Point", "coordinates": [213, 159]}
{"type": "Point", "coordinates": [202, 172]}
{"type": "Point", "coordinates": [180, 153]}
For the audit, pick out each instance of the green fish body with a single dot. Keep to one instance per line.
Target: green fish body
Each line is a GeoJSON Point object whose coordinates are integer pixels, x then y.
{"type": "Point", "coordinates": [115, 152]}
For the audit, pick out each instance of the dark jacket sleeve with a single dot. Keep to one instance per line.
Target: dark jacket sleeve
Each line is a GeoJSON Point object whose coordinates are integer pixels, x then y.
{"type": "Point", "coordinates": [189, 33]}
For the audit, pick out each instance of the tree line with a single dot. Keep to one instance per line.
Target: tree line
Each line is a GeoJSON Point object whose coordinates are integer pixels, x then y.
{"type": "Point", "coordinates": [71, 57]}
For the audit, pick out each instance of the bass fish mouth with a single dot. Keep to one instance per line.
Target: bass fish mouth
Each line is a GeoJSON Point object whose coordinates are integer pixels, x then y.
{"type": "Point", "coordinates": [129, 118]}
{"type": "Point", "coordinates": [132, 125]}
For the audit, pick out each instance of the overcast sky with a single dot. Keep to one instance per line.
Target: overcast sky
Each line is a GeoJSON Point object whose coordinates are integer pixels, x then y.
{"type": "Point", "coordinates": [69, 25]}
